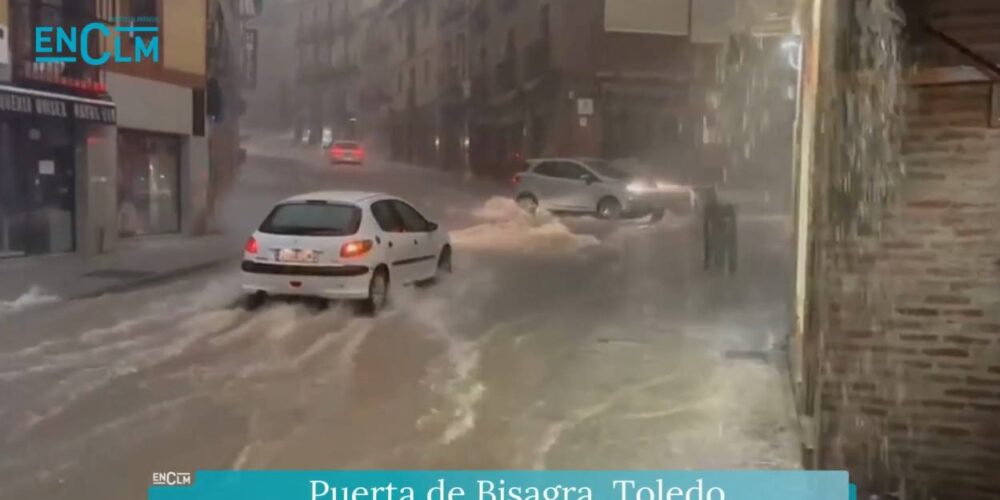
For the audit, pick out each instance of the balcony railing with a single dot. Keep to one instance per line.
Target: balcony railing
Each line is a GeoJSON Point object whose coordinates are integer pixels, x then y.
{"type": "Point", "coordinates": [75, 75]}
{"type": "Point", "coordinates": [506, 74]}
{"type": "Point", "coordinates": [537, 60]}
{"type": "Point", "coordinates": [314, 73]}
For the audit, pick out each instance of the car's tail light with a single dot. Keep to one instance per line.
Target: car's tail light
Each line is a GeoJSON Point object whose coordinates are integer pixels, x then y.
{"type": "Point", "coordinates": [338, 152]}
{"type": "Point", "coordinates": [517, 179]}
{"type": "Point", "coordinates": [251, 246]}
{"type": "Point", "coordinates": [355, 248]}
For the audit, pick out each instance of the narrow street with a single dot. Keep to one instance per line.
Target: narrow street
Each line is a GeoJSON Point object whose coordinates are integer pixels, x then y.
{"type": "Point", "coordinates": [557, 343]}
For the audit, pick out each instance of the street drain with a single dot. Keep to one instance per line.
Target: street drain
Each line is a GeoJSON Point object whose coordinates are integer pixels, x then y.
{"type": "Point", "coordinates": [118, 274]}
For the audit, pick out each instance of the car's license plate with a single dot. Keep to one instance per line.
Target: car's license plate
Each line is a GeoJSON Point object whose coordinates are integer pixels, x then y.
{"type": "Point", "coordinates": [350, 156]}
{"type": "Point", "coordinates": [298, 256]}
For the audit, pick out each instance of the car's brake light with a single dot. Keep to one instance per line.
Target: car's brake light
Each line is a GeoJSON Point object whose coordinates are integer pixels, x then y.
{"type": "Point", "coordinates": [338, 152]}
{"type": "Point", "coordinates": [355, 248]}
{"type": "Point", "coordinates": [251, 246]}
{"type": "Point", "coordinates": [517, 179]}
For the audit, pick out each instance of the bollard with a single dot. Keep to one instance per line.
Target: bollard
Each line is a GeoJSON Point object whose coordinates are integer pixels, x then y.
{"type": "Point", "coordinates": [731, 247]}
{"type": "Point", "coordinates": [719, 232]}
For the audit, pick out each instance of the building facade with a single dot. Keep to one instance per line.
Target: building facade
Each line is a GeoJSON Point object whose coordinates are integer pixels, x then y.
{"type": "Point", "coordinates": [331, 40]}
{"type": "Point", "coordinates": [163, 165]}
{"type": "Point", "coordinates": [57, 137]}
{"type": "Point", "coordinates": [95, 153]}
{"type": "Point", "coordinates": [479, 85]}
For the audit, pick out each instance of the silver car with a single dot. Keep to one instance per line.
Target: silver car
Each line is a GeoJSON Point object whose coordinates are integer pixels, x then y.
{"type": "Point", "coordinates": [585, 185]}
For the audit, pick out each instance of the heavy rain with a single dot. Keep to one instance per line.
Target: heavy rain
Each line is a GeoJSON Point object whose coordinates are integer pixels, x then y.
{"type": "Point", "coordinates": [685, 234]}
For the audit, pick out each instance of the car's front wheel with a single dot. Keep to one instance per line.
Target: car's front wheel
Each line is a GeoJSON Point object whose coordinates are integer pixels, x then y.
{"type": "Point", "coordinates": [378, 292]}
{"type": "Point", "coordinates": [528, 203]}
{"type": "Point", "coordinates": [609, 209]}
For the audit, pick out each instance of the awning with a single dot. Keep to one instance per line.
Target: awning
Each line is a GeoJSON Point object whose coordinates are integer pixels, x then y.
{"type": "Point", "coordinates": [29, 102]}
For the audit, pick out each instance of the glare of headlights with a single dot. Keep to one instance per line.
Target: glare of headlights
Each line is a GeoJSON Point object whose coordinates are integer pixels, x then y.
{"type": "Point", "coordinates": [637, 187]}
{"type": "Point", "coordinates": [669, 187]}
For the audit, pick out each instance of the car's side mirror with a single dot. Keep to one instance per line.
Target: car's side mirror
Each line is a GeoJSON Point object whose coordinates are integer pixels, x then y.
{"type": "Point", "coordinates": [589, 179]}
{"type": "Point", "coordinates": [432, 226]}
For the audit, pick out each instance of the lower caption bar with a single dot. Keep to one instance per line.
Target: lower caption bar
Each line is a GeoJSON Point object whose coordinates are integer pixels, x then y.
{"type": "Point", "coordinates": [502, 485]}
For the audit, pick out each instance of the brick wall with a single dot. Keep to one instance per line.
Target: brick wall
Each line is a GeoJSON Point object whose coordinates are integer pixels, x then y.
{"type": "Point", "coordinates": [910, 326]}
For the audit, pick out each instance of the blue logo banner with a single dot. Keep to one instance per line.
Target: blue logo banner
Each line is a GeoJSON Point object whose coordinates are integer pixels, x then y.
{"type": "Point", "coordinates": [503, 485]}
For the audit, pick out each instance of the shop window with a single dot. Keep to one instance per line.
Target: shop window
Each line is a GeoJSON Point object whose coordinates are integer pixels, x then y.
{"type": "Point", "coordinates": [37, 187]}
{"type": "Point", "coordinates": [148, 183]}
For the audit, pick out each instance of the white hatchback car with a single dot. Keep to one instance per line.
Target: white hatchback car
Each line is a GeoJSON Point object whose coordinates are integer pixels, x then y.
{"type": "Point", "coordinates": [587, 185]}
{"type": "Point", "coordinates": [342, 246]}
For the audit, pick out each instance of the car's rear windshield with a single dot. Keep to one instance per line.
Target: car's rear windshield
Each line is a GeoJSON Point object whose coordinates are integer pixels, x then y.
{"type": "Point", "coordinates": [313, 219]}
{"type": "Point", "coordinates": [346, 145]}
{"type": "Point", "coordinates": [606, 170]}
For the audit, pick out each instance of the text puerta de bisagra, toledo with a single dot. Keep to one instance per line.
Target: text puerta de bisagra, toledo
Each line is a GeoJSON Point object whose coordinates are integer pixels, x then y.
{"type": "Point", "coordinates": [502, 490]}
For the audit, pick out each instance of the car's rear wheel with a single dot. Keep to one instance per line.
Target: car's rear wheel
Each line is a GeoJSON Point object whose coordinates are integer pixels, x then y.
{"type": "Point", "coordinates": [657, 215]}
{"type": "Point", "coordinates": [378, 292]}
{"type": "Point", "coordinates": [528, 203]}
{"type": "Point", "coordinates": [254, 301]}
{"type": "Point", "coordinates": [609, 209]}
{"type": "Point", "coordinates": [444, 262]}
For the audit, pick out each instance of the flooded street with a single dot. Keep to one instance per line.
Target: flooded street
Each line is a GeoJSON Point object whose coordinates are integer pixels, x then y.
{"type": "Point", "coordinates": [557, 343]}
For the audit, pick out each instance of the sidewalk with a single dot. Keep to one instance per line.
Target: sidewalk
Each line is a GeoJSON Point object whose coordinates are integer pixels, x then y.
{"type": "Point", "coordinates": [134, 263]}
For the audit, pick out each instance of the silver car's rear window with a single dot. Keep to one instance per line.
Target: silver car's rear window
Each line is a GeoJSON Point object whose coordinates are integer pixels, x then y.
{"type": "Point", "coordinates": [313, 219]}
{"type": "Point", "coordinates": [345, 145]}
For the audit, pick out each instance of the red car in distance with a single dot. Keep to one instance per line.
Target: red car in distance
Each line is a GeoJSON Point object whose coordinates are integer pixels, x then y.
{"type": "Point", "coordinates": [346, 152]}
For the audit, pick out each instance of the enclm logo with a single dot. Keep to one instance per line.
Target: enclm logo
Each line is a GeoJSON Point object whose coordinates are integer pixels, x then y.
{"type": "Point", "coordinates": [57, 44]}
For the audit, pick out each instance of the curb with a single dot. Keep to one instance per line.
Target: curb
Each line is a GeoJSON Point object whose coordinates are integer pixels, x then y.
{"type": "Point", "coordinates": [156, 278]}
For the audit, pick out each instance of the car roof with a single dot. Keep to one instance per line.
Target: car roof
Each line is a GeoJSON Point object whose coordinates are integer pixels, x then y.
{"type": "Point", "coordinates": [338, 196]}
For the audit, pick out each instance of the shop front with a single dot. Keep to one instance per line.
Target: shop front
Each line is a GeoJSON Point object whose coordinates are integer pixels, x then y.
{"type": "Point", "coordinates": [43, 146]}
{"type": "Point", "coordinates": [149, 168]}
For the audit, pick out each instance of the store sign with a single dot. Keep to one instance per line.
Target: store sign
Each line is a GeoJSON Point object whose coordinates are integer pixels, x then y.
{"type": "Point", "coordinates": [58, 44]}
{"type": "Point", "coordinates": [49, 107]}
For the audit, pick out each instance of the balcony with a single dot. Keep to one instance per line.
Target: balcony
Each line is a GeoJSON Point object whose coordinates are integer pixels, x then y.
{"type": "Point", "coordinates": [453, 12]}
{"type": "Point", "coordinates": [506, 5]}
{"type": "Point", "coordinates": [451, 85]}
{"type": "Point", "coordinates": [481, 16]}
{"type": "Point", "coordinates": [506, 74]}
{"type": "Point", "coordinates": [480, 89]}
{"type": "Point", "coordinates": [537, 60]}
{"type": "Point", "coordinates": [377, 48]}
{"type": "Point", "coordinates": [69, 74]}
